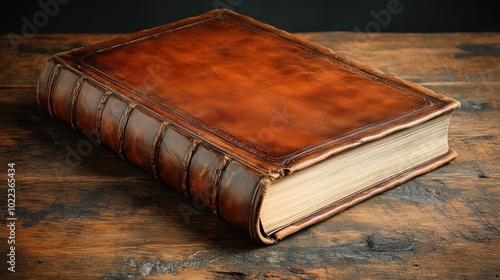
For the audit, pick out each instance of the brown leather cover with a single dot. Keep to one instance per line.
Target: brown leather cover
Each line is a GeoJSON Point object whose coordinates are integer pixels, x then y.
{"type": "Point", "coordinates": [218, 106]}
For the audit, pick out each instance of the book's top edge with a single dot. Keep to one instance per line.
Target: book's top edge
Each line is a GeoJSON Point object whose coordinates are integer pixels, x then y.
{"type": "Point", "coordinates": [271, 142]}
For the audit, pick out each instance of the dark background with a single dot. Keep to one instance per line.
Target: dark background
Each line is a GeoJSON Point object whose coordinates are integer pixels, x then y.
{"type": "Point", "coordinates": [79, 16]}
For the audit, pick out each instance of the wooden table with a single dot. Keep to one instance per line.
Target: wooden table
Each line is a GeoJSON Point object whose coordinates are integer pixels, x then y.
{"type": "Point", "coordinates": [82, 212]}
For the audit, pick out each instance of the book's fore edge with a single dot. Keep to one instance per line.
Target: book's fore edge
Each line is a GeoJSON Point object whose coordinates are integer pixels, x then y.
{"type": "Point", "coordinates": [107, 93]}
{"type": "Point", "coordinates": [336, 208]}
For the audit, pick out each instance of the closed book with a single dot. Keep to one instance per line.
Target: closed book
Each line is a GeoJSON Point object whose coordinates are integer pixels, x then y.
{"type": "Point", "coordinates": [268, 131]}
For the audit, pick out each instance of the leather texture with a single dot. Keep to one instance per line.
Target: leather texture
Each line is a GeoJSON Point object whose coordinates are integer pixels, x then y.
{"type": "Point", "coordinates": [220, 105]}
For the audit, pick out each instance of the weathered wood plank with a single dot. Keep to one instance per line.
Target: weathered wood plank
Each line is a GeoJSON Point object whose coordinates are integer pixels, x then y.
{"type": "Point", "coordinates": [85, 213]}
{"type": "Point", "coordinates": [125, 229]}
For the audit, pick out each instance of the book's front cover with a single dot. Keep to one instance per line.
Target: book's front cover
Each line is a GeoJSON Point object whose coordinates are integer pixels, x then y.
{"type": "Point", "coordinates": [259, 92]}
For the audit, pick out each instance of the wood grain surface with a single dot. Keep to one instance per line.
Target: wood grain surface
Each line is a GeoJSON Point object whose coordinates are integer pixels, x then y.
{"type": "Point", "coordinates": [84, 213]}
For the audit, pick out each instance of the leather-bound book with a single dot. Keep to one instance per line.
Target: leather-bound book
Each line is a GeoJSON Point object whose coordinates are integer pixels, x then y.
{"type": "Point", "coordinates": [268, 131]}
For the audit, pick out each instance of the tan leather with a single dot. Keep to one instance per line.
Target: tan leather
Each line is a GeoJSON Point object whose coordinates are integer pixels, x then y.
{"type": "Point", "coordinates": [218, 106]}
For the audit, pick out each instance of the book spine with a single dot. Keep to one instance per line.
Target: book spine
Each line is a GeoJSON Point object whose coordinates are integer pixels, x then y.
{"type": "Point", "coordinates": [206, 175]}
